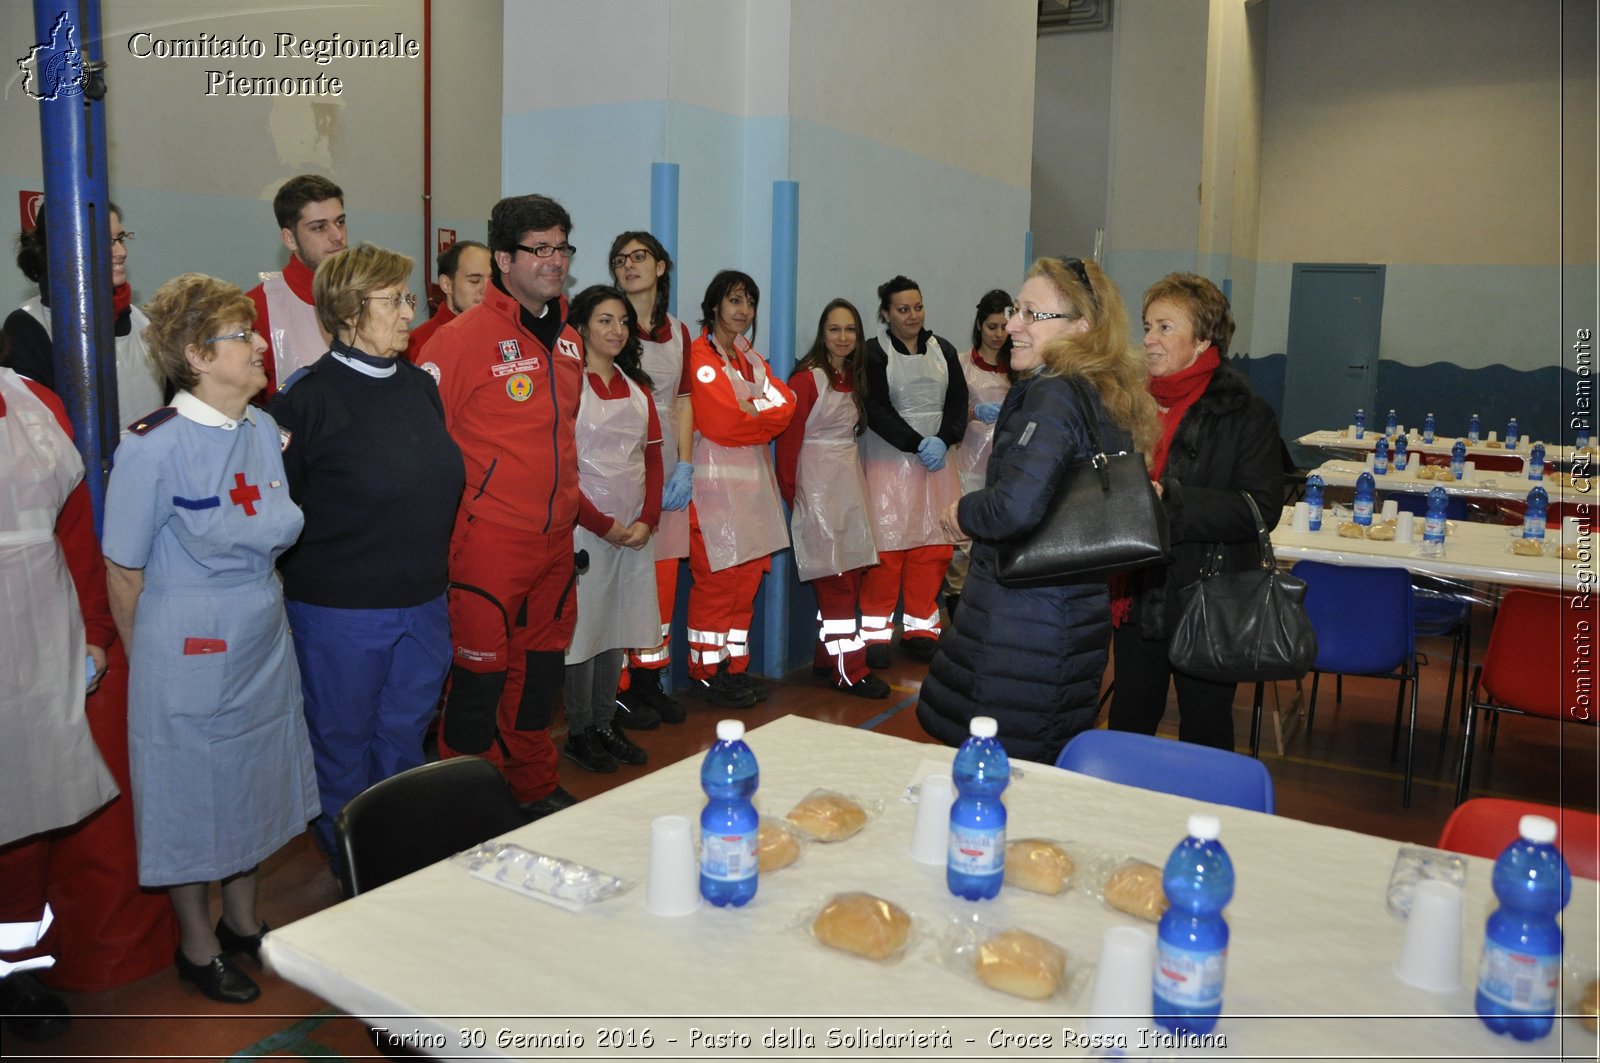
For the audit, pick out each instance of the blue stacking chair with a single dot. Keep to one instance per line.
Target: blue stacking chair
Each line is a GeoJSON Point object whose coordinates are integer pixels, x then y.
{"type": "Point", "coordinates": [1442, 610]}
{"type": "Point", "coordinates": [1365, 624]}
{"type": "Point", "coordinates": [1170, 767]}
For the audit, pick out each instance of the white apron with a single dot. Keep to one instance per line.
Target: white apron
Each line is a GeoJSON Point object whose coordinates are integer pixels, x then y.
{"type": "Point", "coordinates": [296, 339]}
{"type": "Point", "coordinates": [735, 492]}
{"type": "Point", "coordinates": [617, 596]}
{"type": "Point", "coordinates": [51, 773]}
{"type": "Point", "coordinates": [829, 523]}
{"type": "Point", "coordinates": [664, 363]}
{"type": "Point", "coordinates": [138, 382]}
{"type": "Point", "coordinates": [971, 458]}
{"type": "Point", "coordinates": [907, 499]}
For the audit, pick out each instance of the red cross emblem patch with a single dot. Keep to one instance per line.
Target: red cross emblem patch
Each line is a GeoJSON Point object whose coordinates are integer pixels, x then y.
{"type": "Point", "coordinates": [244, 495]}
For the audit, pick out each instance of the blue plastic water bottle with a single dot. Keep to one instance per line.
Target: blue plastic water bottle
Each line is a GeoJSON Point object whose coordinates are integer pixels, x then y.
{"type": "Point", "coordinates": [1427, 428]}
{"type": "Point", "coordinates": [1192, 940]}
{"type": "Point", "coordinates": [1433, 525]}
{"type": "Point", "coordinates": [977, 860]}
{"type": "Point", "coordinates": [1361, 424]}
{"type": "Point", "coordinates": [1458, 460]}
{"type": "Point", "coordinates": [1536, 462]}
{"type": "Point", "coordinates": [1474, 429]}
{"type": "Point", "coordinates": [1389, 423]}
{"type": "Point", "coordinates": [1512, 435]}
{"type": "Point", "coordinates": [1314, 501]}
{"type": "Point", "coordinates": [1533, 519]}
{"type": "Point", "coordinates": [729, 824]}
{"type": "Point", "coordinates": [1402, 447]}
{"type": "Point", "coordinates": [1364, 488]}
{"type": "Point", "coordinates": [1520, 974]}
{"type": "Point", "coordinates": [1380, 457]}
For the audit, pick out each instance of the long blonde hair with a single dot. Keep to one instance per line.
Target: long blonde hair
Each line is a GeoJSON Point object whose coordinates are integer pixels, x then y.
{"type": "Point", "coordinates": [1102, 354]}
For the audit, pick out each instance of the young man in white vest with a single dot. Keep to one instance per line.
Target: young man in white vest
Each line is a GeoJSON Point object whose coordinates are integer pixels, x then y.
{"type": "Point", "coordinates": [310, 211]}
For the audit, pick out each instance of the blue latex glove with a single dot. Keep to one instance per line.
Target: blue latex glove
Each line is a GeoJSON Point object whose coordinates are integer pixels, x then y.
{"type": "Point", "coordinates": [987, 412]}
{"type": "Point", "coordinates": [931, 453]}
{"type": "Point", "coordinates": [676, 494]}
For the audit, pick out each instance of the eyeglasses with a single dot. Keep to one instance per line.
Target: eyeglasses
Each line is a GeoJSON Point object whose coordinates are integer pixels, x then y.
{"type": "Point", "coordinates": [636, 257]}
{"type": "Point", "coordinates": [546, 250]}
{"type": "Point", "coordinates": [242, 334]}
{"type": "Point", "coordinates": [1029, 316]}
{"type": "Point", "coordinates": [394, 301]}
{"type": "Point", "coordinates": [124, 238]}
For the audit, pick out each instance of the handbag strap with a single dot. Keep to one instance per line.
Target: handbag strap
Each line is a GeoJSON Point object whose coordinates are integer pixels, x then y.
{"type": "Point", "coordinates": [1097, 456]}
{"type": "Point", "coordinates": [1213, 562]}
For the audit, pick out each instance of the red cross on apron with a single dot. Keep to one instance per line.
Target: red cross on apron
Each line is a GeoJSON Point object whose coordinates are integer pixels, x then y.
{"type": "Point", "coordinates": [243, 494]}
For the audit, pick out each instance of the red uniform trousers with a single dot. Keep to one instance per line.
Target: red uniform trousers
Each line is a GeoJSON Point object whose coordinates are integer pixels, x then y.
{"type": "Point", "coordinates": [656, 658]}
{"type": "Point", "coordinates": [720, 607]}
{"type": "Point", "coordinates": [840, 649]}
{"type": "Point", "coordinates": [512, 609]}
{"type": "Point", "coordinates": [107, 931]}
{"type": "Point", "coordinates": [911, 577]}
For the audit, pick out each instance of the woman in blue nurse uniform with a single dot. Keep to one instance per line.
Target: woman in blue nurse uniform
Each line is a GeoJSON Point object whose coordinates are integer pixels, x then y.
{"type": "Point", "coordinates": [196, 513]}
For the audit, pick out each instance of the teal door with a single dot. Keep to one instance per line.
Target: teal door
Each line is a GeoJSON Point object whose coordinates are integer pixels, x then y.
{"type": "Point", "coordinates": [1335, 315]}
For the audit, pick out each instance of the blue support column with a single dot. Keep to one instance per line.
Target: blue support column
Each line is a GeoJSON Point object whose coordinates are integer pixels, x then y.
{"type": "Point", "coordinates": [664, 216]}
{"type": "Point", "coordinates": [1027, 251]}
{"type": "Point", "coordinates": [780, 314]}
{"type": "Point", "coordinates": [72, 134]}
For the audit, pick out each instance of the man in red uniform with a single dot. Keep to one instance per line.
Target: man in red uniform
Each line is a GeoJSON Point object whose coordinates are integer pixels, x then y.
{"type": "Point", "coordinates": [510, 373]}
{"type": "Point", "coordinates": [463, 278]}
{"type": "Point", "coordinates": [310, 212]}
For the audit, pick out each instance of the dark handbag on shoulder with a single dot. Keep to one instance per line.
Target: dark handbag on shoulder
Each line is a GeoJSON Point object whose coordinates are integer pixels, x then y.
{"type": "Point", "coordinates": [1104, 517]}
{"type": "Point", "coordinates": [1244, 627]}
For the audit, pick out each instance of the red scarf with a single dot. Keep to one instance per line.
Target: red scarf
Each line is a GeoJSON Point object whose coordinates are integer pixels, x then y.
{"type": "Point", "coordinates": [1174, 394]}
{"type": "Point", "coordinates": [121, 298]}
{"type": "Point", "coordinates": [297, 275]}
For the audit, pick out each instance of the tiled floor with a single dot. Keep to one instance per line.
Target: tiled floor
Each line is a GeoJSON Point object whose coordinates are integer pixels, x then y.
{"type": "Point", "coordinates": [1340, 775]}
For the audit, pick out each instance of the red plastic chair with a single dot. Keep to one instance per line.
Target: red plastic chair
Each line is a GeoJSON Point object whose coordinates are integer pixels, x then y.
{"type": "Point", "coordinates": [1529, 667]}
{"type": "Point", "coordinates": [1484, 826]}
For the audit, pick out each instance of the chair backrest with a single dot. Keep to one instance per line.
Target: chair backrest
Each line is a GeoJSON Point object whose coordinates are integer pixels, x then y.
{"type": "Point", "coordinates": [1484, 826]}
{"type": "Point", "coordinates": [420, 817]}
{"type": "Point", "coordinates": [1526, 666]}
{"type": "Point", "coordinates": [1362, 617]}
{"type": "Point", "coordinates": [1169, 767]}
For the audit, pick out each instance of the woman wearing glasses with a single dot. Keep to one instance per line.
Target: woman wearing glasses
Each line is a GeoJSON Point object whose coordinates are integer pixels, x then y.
{"type": "Point", "coordinates": [1218, 441]}
{"type": "Point", "coordinates": [987, 368]}
{"type": "Point", "coordinates": [916, 410]}
{"type": "Point", "coordinates": [28, 328]}
{"type": "Point", "coordinates": [369, 461]}
{"type": "Point", "coordinates": [196, 513]}
{"type": "Point", "coordinates": [1032, 657]}
{"type": "Point", "coordinates": [643, 271]}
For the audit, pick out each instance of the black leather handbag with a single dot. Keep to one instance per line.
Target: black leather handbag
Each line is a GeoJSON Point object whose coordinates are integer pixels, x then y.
{"type": "Point", "coordinates": [1104, 517]}
{"type": "Point", "coordinates": [1244, 627]}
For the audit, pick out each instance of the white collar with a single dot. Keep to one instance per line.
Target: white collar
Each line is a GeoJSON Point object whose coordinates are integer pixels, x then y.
{"type": "Point", "coordinates": [363, 367]}
{"type": "Point", "coordinates": [202, 413]}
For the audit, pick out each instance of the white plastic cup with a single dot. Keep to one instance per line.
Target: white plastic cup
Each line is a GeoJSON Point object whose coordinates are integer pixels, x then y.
{"type": "Point", "coordinates": [1405, 529]}
{"type": "Point", "coordinates": [1371, 462]}
{"type": "Point", "coordinates": [1350, 430]}
{"type": "Point", "coordinates": [1493, 436]}
{"type": "Point", "coordinates": [1301, 522]}
{"type": "Point", "coordinates": [1571, 531]}
{"type": "Point", "coordinates": [1122, 1003]}
{"type": "Point", "coordinates": [1468, 469]}
{"type": "Point", "coordinates": [930, 839]}
{"type": "Point", "coordinates": [672, 884]}
{"type": "Point", "coordinates": [1430, 957]}
{"type": "Point", "coordinates": [1391, 509]}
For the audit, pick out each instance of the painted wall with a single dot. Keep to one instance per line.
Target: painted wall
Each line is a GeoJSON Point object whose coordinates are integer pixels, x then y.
{"type": "Point", "coordinates": [195, 173]}
{"type": "Point", "coordinates": [468, 48]}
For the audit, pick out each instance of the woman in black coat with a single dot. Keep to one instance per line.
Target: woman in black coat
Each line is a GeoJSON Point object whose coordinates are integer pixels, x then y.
{"type": "Point", "coordinates": [1032, 657]}
{"type": "Point", "coordinates": [1218, 440]}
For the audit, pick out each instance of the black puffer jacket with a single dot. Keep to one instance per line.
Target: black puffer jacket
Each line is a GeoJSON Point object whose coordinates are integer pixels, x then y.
{"type": "Point", "coordinates": [1226, 443]}
{"type": "Point", "coordinates": [1030, 657]}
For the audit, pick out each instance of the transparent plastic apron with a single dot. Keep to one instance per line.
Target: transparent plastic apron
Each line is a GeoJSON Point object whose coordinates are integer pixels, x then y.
{"type": "Point", "coordinates": [51, 769]}
{"type": "Point", "coordinates": [617, 596]}
{"type": "Point", "coordinates": [829, 523]}
{"type": "Point", "coordinates": [972, 457]}
{"type": "Point", "coordinates": [297, 339]}
{"type": "Point", "coordinates": [735, 492]}
{"type": "Point", "coordinates": [907, 499]}
{"type": "Point", "coordinates": [664, 363]}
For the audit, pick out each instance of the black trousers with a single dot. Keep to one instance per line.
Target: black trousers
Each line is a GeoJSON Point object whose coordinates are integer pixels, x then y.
{"type": "Point", "coordinates": [1143, 672]}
